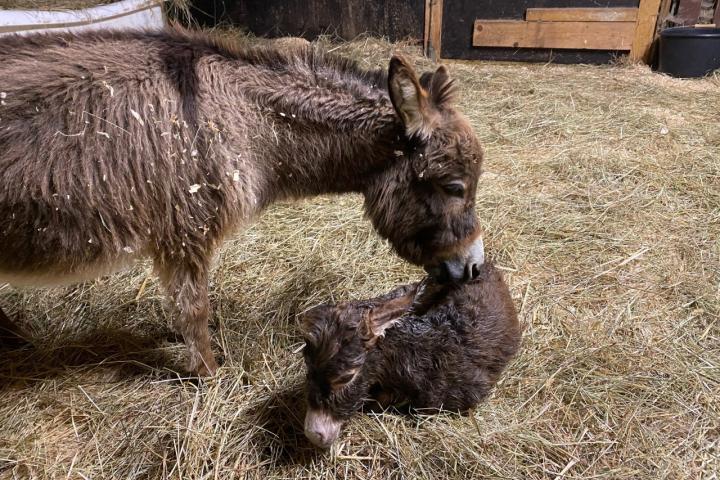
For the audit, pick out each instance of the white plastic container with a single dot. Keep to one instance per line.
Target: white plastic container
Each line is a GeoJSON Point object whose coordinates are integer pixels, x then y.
{"type": "Point", "coordinates": [125, 14]}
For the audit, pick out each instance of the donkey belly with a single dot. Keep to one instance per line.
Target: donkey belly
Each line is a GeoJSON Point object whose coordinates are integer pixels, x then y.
{"type": "Point", "coordinates": [58, 275]}
{"type": "Point", "coordinates": [58, 267]}
{"type": "Point", "coordinates": [42, 246]}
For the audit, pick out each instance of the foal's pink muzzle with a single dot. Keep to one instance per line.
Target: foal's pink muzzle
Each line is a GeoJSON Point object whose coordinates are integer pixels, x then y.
{"type": "Point", "coordinates": [321, 428]}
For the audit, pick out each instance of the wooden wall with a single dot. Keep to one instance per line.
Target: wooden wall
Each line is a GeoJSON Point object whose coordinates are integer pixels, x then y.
{"type": "Point", "coordinates": [395, 19]}
{"type": "Point", "coordinates": [459, 16]}
{"type": "Point", "coordinates": [402, 19]}
{"type": "Point", "coordinates": [688, 12]}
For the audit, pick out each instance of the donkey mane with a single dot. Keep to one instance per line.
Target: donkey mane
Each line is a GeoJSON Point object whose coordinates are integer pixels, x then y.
{"type": "Point", "coordinates": [320, 86]}
{"type": "Point", "coordinates": [18, 45]}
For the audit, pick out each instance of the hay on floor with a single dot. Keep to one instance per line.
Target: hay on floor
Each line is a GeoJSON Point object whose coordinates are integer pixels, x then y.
{"type": "Point", "coordinates": [601, 201]}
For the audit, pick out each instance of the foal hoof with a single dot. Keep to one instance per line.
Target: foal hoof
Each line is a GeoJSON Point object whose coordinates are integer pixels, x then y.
{"type": "Point", "coordinates": [206, 369]}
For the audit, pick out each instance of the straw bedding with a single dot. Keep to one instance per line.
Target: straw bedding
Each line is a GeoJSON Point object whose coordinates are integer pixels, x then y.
{"type": "Point", "coordinates": [600, 200]}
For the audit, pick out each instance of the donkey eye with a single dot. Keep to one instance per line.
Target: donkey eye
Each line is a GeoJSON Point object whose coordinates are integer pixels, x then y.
{"type": "Point", "coordinates": [455, 189]}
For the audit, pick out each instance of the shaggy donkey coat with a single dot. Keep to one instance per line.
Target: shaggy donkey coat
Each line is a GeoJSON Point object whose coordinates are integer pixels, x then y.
{"type": "Point", "coordinates": [120, 145]}
{"type": "Point", "coordinates": [425, 345]}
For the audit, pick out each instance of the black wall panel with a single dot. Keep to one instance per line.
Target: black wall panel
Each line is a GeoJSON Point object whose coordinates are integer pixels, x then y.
{"type": "Point", "coordinates": [395, 19]}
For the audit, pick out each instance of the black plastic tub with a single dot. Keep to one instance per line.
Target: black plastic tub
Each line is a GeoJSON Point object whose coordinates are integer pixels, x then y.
{"type": "Point", "coordinates": [689, 51]}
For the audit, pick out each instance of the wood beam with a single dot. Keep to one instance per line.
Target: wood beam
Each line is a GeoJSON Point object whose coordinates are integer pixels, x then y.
{"type": "Point", "coordinates": [575, 35]}
{"type": "Point", "coordinates": [645, 27]}
{"type": "Point", "coordinates": [433, 29]}
{"type": "Point", "coordinates": [581, 14]}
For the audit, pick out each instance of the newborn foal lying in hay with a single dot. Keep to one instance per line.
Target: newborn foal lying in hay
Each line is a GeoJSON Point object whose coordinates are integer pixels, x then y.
{"type": "Point", "coordinates": [427, 345]}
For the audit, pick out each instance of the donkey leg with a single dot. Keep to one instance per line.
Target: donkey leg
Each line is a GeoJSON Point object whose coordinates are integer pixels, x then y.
{"type": "Point", "coordinates": [187, 287]}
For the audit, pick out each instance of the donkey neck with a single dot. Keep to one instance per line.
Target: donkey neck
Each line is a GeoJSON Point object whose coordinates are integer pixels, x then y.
{"type": "Point", "coordinates": [326, 128]}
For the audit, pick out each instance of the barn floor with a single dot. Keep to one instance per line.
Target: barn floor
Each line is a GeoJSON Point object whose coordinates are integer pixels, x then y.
{"type": "Point", "coordinates": [601, 201]}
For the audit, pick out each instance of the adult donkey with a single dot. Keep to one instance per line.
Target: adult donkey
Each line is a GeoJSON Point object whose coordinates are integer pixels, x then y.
{"type": "Point", "coordinates": [117, 146]}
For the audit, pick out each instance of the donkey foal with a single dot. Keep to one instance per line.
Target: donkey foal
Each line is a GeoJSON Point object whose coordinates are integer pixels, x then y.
{"type": "Point", "coordinates": [446, 348]}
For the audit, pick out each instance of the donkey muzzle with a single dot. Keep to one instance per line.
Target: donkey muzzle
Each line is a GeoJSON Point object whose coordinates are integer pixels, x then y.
{"type": "Point", "coordinates": [460, 269]}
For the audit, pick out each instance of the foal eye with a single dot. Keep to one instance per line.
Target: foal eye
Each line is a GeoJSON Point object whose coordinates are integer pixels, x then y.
{"type": "Point", "coordinates": [342, 380]}
{"type": "Point", "coordinates": [455, 189]}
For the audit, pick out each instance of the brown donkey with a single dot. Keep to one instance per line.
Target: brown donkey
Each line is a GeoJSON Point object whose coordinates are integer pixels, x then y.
{"type": "Point", "coordinates": [116, 146]}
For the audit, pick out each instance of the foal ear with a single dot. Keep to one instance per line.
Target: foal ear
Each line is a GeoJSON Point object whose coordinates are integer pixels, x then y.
{"type": "Point", "coordinates": [382, 317]}
{"type": "Point", "coordinates": [408, 97]}
{"type": "Point", "coordinates": [312, 317]}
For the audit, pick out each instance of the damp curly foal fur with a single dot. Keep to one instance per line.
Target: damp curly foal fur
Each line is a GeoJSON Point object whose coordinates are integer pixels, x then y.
{"type": "Point", "coordinates": [425, 345]}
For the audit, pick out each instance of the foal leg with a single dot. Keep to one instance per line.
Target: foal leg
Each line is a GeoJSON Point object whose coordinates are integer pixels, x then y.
{"type": "Point", "coordinates": [187, 287]}
{"type": "Point", "coordinates": [10, 332]}
{"type": "Point", "coordinates": [407, 292]}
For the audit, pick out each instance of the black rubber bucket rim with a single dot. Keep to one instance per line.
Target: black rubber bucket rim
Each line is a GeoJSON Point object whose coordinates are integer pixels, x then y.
{"type": "Point", "coordinates": [691, 32]}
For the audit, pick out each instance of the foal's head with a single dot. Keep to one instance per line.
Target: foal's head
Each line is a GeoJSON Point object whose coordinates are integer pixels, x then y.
{"type": "Point", "coordinates": [338, 339]}
{"type": "Point", "coordinates": [424, 202]}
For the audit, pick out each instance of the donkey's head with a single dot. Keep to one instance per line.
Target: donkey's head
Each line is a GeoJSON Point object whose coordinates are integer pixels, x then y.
{"type": "Point", "coordinates": [424, 202]}
{"type": "Point", "coordinates": [338, 339]}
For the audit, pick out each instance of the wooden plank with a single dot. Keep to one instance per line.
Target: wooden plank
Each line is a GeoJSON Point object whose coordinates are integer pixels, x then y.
{"type": "Point", "coordinates": [576, 35]}
{"type": "Point", "coordinates": [581, 14]}
{"type": "Point", "coordinates": [687, 12]}
{"type": "Point", "coordinates": [433, 20]}
{"type": "Point", "coordinates": [707, 12]}
{"type": "Point", "coordinates": [663, 15]}
{"type": "Point", "coordinates": [645, 30]}
{"type": "Point", "coordinates": [663, 21]}
{"type": "Point", "coordinates": [459, 15]}
{"type": "Point", "coordinates": [426, 29]}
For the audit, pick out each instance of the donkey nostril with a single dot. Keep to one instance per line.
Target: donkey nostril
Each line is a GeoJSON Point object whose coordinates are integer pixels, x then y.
{"type": "Point", "coordinates": [472, 271]}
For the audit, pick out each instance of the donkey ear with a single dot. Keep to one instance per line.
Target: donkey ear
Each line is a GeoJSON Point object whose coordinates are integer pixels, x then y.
{"type": "Point", "coordinates": [442, 88]}
{"type": "Point", "coordinates": [408, 97]}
